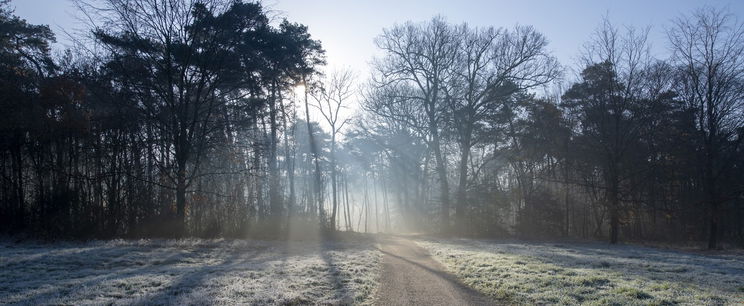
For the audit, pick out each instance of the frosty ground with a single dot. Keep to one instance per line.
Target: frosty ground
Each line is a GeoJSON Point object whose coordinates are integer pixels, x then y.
{"type": "Point", "coordinates": [188, 272]}
{"type": "Point", "coordinates": [195, 271]}
{"type": "Point", "coordinates": [516, 272]}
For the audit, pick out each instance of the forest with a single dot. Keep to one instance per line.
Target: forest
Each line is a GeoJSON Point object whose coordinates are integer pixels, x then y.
{"type": "Point", "coordinates": [215, 152]}
{"type": "Point", "coordinates": [211, 118]}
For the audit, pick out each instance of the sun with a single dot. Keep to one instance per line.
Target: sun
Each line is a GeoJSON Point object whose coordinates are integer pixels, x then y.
{"type": "Point", "coordinates": [299, 89]}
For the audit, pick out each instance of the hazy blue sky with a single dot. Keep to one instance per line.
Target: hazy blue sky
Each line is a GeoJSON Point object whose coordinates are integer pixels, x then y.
{"type": "Point", "coordinates": [347, 28]}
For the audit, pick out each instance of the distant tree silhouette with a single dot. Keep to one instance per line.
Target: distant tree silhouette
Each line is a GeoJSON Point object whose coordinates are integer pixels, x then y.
{"type": "Point", "coordinates": [331, 98]}
{"type": "Point", "coordinates": [185, 118]}
{"type": "Point", "coordinates": [708, 50]}
{"type": "Point", "coordinates": [25, 63]}
{"type": "Point", "coordinates": [422, 56]}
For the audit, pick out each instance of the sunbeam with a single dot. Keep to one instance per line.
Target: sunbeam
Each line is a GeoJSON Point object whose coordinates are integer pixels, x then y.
{"type": "Point", "coordinates": [244, 152]}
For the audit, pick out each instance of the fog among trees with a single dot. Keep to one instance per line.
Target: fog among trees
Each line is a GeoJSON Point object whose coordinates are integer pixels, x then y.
{"type": "Point", "coordinates": [214, 118]}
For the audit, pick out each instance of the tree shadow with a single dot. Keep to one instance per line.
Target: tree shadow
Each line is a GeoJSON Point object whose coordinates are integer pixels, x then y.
{"type": "Point", "coordinates": [107, 271]}
{"type": "Point", "coordinates": [126, 273]}
{"type": "Point", "coordinates": [640, 262]}
{"type": "Point", "coordinates": [198, 276]}
{"type": "Point", "coordinates": [340, 290]}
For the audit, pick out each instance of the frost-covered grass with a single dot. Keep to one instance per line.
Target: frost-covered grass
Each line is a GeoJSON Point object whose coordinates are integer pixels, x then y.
{"type": "Point", "coordinates": [591, 273]}
{"type": "Point", "coordinates": [188, 271]}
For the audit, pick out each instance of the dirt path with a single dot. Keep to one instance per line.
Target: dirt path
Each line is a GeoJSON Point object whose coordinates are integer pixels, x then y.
{"type": "Point", "coordinates": [411, 277]}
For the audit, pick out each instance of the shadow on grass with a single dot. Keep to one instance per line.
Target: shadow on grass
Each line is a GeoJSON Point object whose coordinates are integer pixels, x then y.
{"type": "Point", "coordinates": [628, 261]}
{"type": "Point", "coordinates": [76, 274]}
{"type": "Point", "coordinates": [152, 272]}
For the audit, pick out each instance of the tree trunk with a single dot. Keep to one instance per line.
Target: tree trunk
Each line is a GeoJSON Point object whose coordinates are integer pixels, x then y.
{"type": "Point", "coordinates": [349, 225]}
{"type": "Point", "coordinates": [257, 181]}
{"type": "Point", "coordinates": [290, 161]}
{"type": "Point", "coordinates": [182, 155]}
{"type": "Point", "coordinates": [386, 206]}
{"type": "Point", "coordinates": [180, 204]}
{"type": "Point", "coordinates": [333, 181]}
{"type": "Point", "coordinates": [566, 191]}
{"type": "Point", "coordinates": [20, 195]}
{"type": "Point", "coordinates": [441, 168]}
{"type": "Point", "coordinates": [462, 186]}
{"type": "Point", "coordinates": [710, 192]}
{"type": "Point", "coordinates": [711, 148]}
{"type": "Point", "coordinates": [314, 149]}
{"type": "Point", "coordinates": [275, 202]}
{"type": "Point", "coordinates": [614, 207]}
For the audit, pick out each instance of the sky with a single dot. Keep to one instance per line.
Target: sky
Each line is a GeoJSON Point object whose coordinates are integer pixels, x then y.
{"type": "Point", "coordinates": [347, 28]}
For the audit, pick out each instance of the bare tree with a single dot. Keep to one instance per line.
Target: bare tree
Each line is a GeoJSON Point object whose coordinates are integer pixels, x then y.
{"type": "Point", "coordinates": [492, 65]}
{"type": "Point", "coordinates": [708, 49]}
{"type": "Point", "coordinates": [421, 57]}
{"type": "Point", "coordinates": [332, 97]}
{"type": "Point", "coordinates": [178, 90]}
{"type": "Point", "coordinates": [604, 102]}
{"type": "Point", "coordinates": [317, 185]}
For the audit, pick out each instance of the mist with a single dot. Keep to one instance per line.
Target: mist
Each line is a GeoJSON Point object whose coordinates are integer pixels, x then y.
{"type": "Point", "coordinates": [208, 152]}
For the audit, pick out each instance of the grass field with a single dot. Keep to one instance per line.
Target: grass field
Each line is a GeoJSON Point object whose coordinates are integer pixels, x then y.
{"type": "Point", "coordinates": [591, 273]}
{"type": "Point", "coordinates": [195, 271]}
{"type": "Point", "coordinates": [188, 272]}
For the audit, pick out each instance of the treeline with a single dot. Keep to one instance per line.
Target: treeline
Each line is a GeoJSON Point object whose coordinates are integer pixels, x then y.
{"type": "Point", "coordinates": [195, 117]}
{"type": "Point", "coordinates": [634, 147]}
{"type": "Point", "coordinates": [166, 123]}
